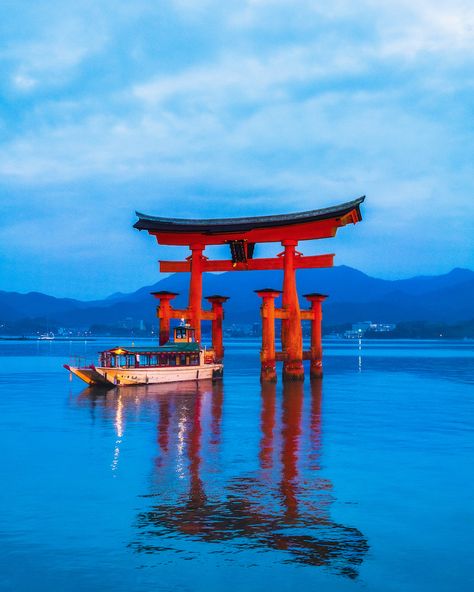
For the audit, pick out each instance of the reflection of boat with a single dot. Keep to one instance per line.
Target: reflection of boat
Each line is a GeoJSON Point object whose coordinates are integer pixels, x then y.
{"type": "Point", "coordinates": [183, 359]}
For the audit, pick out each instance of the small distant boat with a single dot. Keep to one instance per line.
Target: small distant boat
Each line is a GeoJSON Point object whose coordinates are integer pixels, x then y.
{"type": "Point", "coordinates": [46, 337]}
{"type": "Point", "coordinates": [183, 359]}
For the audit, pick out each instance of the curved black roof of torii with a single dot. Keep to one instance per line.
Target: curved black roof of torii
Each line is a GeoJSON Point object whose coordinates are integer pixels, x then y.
{"type": "Point", "coordinates": [216, 225]}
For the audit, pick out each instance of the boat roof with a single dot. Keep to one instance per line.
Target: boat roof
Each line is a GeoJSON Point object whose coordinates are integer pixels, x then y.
{"type": "Point", "coordinates": [167, 348]}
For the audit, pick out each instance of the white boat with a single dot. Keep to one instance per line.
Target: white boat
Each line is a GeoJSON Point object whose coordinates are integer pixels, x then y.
{"type": "Point", "coordinates": [46, 337]}
{"type": "Point", "coordinates": [181, 360]}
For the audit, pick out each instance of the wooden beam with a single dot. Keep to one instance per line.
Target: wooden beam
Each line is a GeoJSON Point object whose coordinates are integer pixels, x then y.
{"type": "Point", "coordinates": [177, 313]}
{"type": "Point", "coordinates": [261, 264]}
{"type": "Point", "coordinates": [208, 315]}
{"type": "Point", "coordinates": [180, 313]}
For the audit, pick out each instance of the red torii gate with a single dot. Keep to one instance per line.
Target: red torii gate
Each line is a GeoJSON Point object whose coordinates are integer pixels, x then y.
{"type": "Point", "coordinates": [242, 234]}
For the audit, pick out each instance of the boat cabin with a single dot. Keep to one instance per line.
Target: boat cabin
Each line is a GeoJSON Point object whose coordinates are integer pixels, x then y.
{"type": "Point", "coordinates": [183, 351]}
{"type": "Point", "coordinates": [183, 334]}
{"type": "Point", "coordinates": [185, 354]}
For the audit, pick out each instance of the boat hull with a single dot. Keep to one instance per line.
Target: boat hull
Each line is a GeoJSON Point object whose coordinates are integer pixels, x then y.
{"type": "Point", "coordinates": [147, 375]}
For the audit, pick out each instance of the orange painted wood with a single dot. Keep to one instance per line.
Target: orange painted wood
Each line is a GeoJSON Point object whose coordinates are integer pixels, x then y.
{"type": "Point", "coordinates": [303, 231]}
{"type": "Point", "coordinates": [316, 353]}
{"type": "Point", "coordinates": [281, 356]}
{"type": "Point", "coordinates": [218, 313]}
{"type": "Point", "coordinates": [195, 289]}
{"type": "Point", "coordinates": [291, 333]}
{"type": "Point", "coordinates": [163, 312]}
{"type": "Point", "coordinates": [179, 313]}
{"type": "Point", "coordinates": [183, 313]}
{"type": "Point", "coordinates": [261, 264]}
{"type": "Point", "coordinates": [267, 353]}
{"type": "Point", "coordinates": [208, 315]}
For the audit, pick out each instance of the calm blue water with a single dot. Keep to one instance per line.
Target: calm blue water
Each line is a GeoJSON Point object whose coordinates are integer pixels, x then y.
{"type": "Point", "coordinates": [363, 482]}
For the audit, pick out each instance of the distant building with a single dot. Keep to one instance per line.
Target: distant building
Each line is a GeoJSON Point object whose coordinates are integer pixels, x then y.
{"type": "Point", "coordinates": [359, 329]}
{"type": "Point", "coordinates": [383, 327]}
{"type": "Point", "coordinates": [242, 330]}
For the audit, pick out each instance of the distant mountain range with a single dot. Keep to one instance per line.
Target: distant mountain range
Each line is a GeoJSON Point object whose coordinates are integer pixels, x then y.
{"type": "Point", "coordinates": [353, 296]}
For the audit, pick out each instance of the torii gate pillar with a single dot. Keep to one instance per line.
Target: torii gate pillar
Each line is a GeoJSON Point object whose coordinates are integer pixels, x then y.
{"type": "Point", "coordinates": [291, 333]}
{"type": "Point", "coordinates": [195, 288]}
{"type": "Point", "coordinates": [163, 312]}
{"type": "Point", "coordinates": [218, 315]}
{"type": "Point", "coordinates": [316, 354]}
{"type": "Point", "coordinates": [267, 353]}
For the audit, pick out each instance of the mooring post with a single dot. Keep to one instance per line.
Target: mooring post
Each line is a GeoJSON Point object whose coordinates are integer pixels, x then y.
{"type": "Point", "coordinates": [291, 333]}
{"type": "Point", "coordinates": [316, 364]}
{"type": "Point", "coordinates": [267, 353]}
{"type": "Point", "coordinates": [195, 288]}
{"type": "Point", "coordinates": [218, 311]}
{"type": "Point", "coordinates": [163, 312]}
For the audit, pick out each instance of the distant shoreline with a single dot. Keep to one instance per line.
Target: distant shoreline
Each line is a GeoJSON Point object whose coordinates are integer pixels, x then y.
{"type": "Point", "coordinates": [327, 338]}
{"type": "Point", "coordinates": [62, 339]}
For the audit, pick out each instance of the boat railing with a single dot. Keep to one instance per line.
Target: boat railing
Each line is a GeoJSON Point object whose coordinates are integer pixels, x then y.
{"type": "Point", "coordinates": [81, 362]}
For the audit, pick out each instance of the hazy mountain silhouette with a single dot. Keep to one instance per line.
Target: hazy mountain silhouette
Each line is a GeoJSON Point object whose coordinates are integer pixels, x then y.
{"type": "Point", "coordinates": [353, 296]}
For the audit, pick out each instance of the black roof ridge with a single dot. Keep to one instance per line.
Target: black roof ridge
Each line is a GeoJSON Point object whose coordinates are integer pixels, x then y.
{"type": "Point", "coordinates": [146, 221]}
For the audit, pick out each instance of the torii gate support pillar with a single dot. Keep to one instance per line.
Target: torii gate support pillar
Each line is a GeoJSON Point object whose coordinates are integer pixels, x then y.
{"type": "Point", "coordinates": [163, 312]}
{"type": "Point", "coordinates": [218, 315]}
{"type": "Point", "coordinates": [195, 288]}
{"type": "Point", "coordinates": [267, 353]}
{"type": "Point", "coordinates": [316, 354]}
{"type": "Point", "coordinates": [291, 333]}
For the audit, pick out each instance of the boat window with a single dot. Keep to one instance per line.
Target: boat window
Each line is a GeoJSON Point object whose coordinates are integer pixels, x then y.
{"type": "Point", "coordinates": [172, 360]}
{"type": "Point", "coordinates": [195, 360]}
{"type": "Point", "coordinates": [180, 332]}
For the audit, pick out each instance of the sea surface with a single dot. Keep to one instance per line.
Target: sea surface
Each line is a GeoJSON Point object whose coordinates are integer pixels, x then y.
{"type": "Point", "coordinates": [361, 481]}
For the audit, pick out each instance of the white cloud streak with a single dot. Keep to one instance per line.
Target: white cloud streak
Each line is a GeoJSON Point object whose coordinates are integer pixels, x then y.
{"type": "Point", "coordinates": [291, 109]}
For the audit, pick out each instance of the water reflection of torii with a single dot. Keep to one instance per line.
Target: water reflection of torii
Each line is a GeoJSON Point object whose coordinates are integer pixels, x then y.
{"type": "Point", "coordinates": [272, 508]}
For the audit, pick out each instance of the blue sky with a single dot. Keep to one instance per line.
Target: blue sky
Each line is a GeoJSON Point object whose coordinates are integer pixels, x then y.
{"type": "Point", "coordinates": [210, 108]}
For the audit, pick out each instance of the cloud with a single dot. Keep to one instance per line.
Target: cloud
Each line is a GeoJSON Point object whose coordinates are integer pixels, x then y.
{"type": "Point", "coordinates": [52, 57]}
{"type": "Point", "coordinates": [272, 108]}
